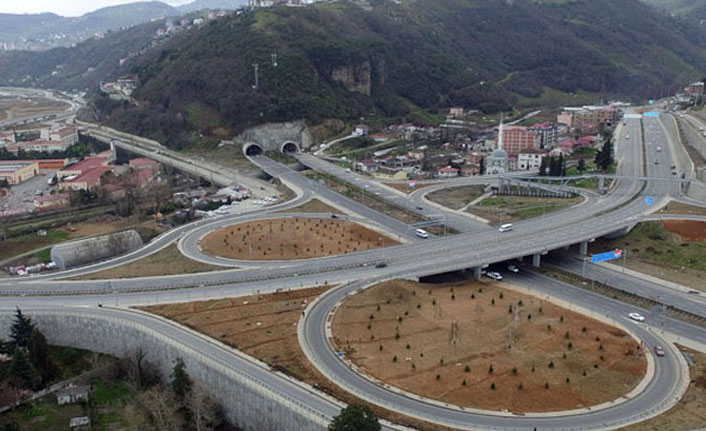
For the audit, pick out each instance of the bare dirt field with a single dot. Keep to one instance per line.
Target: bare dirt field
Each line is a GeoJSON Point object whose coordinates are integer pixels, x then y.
{"type": "Point", "coordinates": [690, 412]}
{"type": "Point", "coordinates": [513, 351]}
{"type": "Point", "coordinates": [18, 108]}
{"type": "Point", "coordinates": [456, 197]}
{"type": "Point", "coordinates": [168, 261]}
{"type": "Point", "coordinates": [292, 238]}
{"type": "Point", "coordinates": [688, 230]}
{"type": "Point", "coordinates": [313, 206]}
{"type": "Point", "coordinates": [265, 326]}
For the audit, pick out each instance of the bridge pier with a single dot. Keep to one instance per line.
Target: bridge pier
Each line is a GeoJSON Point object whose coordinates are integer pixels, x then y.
{"type": "Point", "coordinates": [601, 185]}
{"type": "Point", "coordinates": [477, 273]}
{"type": "Point", "coordinates": [583, 248]}
{"type": "Point", "coordinates": [536, 259]}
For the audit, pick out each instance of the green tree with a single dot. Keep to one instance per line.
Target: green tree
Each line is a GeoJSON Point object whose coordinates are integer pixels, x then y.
{"type": "Point", "coordinates": [544, 166]}
{"type": "Point", "coordinates": [355, 418]}
{"type": "Point", "coordinates": [604, 157]}
{"type": "Point", "coordinates": [22, 372]}
{"type": "Point", "coordinates": [39, 357]}
{"type": "Point", "coordinates": [581, 166]}
{"type": "Point", "coordinates": [181, 381]}
{"type": "Point", "coordinates": [21, 330]}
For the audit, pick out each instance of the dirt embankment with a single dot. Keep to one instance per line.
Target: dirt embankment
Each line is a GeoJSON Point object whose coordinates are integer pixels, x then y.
{"type": "Point", "coordinates": [292, 238]}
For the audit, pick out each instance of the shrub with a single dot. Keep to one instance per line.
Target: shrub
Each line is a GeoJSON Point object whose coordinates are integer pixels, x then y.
{"type": "Point", "coordinates": [551, 364]}
{"type": "Point", "coordinates": [407, 346]}
{"type": "Point", "coordinates": [520, 303]}
{"type": "Point", "coordinates": [563, 356]}
{"type": "Point", "coordinates": [509, 309]}
{"type": "Point", "coordinates": [397, 335]}
{"type": "Point", "coordinates": [438, 377]}
{"type": "Point", "coordinates": [561, 319]}
{"type": "Point", "coordinates": [568, 380]}
{"type": "Point", "coordinates": [520, 386]}
{"type": "Point", "coordinates": [433, 302]}
{"type": "Point", "coordinates": [463, 383]}
{"type": "Point", "coordinates": [490, 369]}
{"type": "Point", "coordinates": [419, 306]}
{"type": "Point", "coordinates": [381, 347]}
{"type": "Point", "coordinates": [453, 296]}
{"type": "Point", "coordinates": [600, 347]}
{"type": "Point", "coordinates": [570, 345]}
{"type": "Point", "coordinates": [378, 307]}
{"type": "Point", "coordinates": [394, 358]}
{"type": "Point", "coordinates": [514, 370]}
{"type": "Point", "coordinates": [501, 295]}
{"type": "Point", "coordinates": [533, 368]}
{"type": "Point", "coordinates": [372, 317]}
{"type": "Point", "coordinates": [567, 335]}
{"type": "Point", "coordinates": [473, 296]}
{"type": "Point", "coordinates": [468, 368]}
{"type": "Point", "coordinates": [584, 329]}
{"type": "Point", "coordinates": [529, 316]}
{"type": "Point", "coordinates": [492, 386]}
{"type": "Point", "coordinates": [549, 327]}
{"type": "Point", "coordinates": [441, 361]}
{"type": "Point", "coordinates": [546, 385]}
{"type": "Point", "coordinates": [492, 301]}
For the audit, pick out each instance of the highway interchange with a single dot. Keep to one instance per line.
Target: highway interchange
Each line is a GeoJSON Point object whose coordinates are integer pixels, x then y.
{"type": "Point", "coordinates": [477, 246]}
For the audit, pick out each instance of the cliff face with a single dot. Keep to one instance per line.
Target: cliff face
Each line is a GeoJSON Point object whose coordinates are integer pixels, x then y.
{"type": "Point", "coordinates": [356, 77]}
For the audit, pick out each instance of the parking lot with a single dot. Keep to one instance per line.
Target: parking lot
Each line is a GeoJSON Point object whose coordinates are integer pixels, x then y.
{"type": "Point", "coordinates": [20, 199]}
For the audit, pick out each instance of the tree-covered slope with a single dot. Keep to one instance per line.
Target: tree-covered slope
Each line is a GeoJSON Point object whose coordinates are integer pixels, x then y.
{"type": "Point", "coordinates": [339, 60]}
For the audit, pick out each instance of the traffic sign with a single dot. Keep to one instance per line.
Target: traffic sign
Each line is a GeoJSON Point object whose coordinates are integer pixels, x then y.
{"type": "Point", "coordinates": [412, 184]}
{"type": "Point", "coordinates": [651, 114]}
{"type": "Point", "coordinates": [649, 200]}
{"type": "Point", "coordinates": [652, 102]}
{"type": "Point", "coordinates": [609, 255]}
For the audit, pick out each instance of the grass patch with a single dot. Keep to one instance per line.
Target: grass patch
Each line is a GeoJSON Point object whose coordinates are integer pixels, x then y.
{"type": "Point", "coordinates": [456, 197]}
{"type": "Point", "coordinates": [168, 261]}
{"type": "Point", "coordinates": [44, 256]}
{"type": "Point", "coordinates": [312, 206]}
{"type": "Point", "coordinates": [111, 394]}
{"type": "Point", "coordinates": [514, 208]}
{"type": "Point", "coordinates": [653, 243]}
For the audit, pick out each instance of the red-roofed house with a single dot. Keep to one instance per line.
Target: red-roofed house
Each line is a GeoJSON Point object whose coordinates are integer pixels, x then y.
{"type": "Point", "coordinates": [88, 180]}
{"type": "Point", "coordinates": [587, 141]}
{"type": "Point", "coordinates": [143, 163]}
{"type": "Point", "coordinates": [39, 145]}
{"type": "Point", "coordinates": [68, 135]}
{"type": "Point", "coordinates": [447, 172]}
{"type": "Point", "coordinates": [366, 165]}
{"type": "Point", "coordinates": [51, 202]}
{"type": "Point", "coordinates": [567, 146]}
{"type": "Point", "coordinates": [87, 164]}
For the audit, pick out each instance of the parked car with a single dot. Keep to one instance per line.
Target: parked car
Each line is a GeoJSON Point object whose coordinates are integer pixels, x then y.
{"type": "Point", "coordinates": [494, 275]}
{"type": "Point", "coordinates": [513, 268]}
{"type": "Point", "coordinates": [637, 317]}
{"type": "Point", "coordinates": [381, 265]}
{"type": "Point", "coordinates": [659, 350]}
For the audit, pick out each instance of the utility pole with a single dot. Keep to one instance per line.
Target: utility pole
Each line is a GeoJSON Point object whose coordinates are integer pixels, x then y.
{"type": "Point", "coordinates": [257, 82]}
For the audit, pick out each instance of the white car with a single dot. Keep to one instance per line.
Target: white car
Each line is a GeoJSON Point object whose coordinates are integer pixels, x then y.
{"type": "Point", "coordinates": [494, 275]}
{"type": "Point", "coordinates": [513, 268]}
{"type": "Point", "coordinates": [637, 317]}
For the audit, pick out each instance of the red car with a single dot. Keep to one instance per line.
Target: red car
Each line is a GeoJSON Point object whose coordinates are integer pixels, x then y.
{"type": "Point", "coordinates": [659, 351]}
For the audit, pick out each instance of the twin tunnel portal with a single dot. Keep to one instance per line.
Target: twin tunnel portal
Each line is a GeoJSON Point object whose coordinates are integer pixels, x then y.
{"type": "Point", "coordinates": [255, 149]}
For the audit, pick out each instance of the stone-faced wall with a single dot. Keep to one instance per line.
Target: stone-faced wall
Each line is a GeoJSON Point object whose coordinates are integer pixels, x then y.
{"type": "Point", "coordinates": [254, 404]}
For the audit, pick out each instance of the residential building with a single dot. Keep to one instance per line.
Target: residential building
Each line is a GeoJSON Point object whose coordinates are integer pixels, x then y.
{"type": "Point", "coordinates": [67, 135]}
{"type": "Point", "coordinates": [456, 112]}
{"type": "Point", "coordinates": [15, 172]}
{"type": "Point", "coordinates": [51, 202]}
{"type": "Point", "coordinates": [694, 89]}
{"type": "Point", "coordinates": [548, 134]}
{"type": "Point", "coordinates": [367, 165]}
{"type": "Point", "coordinates": [518, 139]}
{"type": "Point", "coordinates": [447, 172]}
{"type": "Point", "coordinates": [529, 160]}
{"type": "Point", "coordinates": [361, 130]}
{"type": "Point", "coordinates": [141, 163]}
{"type": "Point", "coordinates": [87, 164]}
{"type": "Point", "coordinates": [88, 180]}
{"type": "Point", "coordinates": [72, 394]}
{"type": "Point", "coordinates": [565, 118]}
{"type": "Point", "coordinates": [592, 115]}
{"type": "Point", "coordinates": [470, 170]}
{"type": "Point", "coordinates": [80, 423]}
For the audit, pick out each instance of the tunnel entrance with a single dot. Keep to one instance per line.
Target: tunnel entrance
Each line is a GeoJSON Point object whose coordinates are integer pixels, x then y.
{"type": "Point", "coordinates": [290, 148]}
{"type": "Point", "coordinates": [253, 150]}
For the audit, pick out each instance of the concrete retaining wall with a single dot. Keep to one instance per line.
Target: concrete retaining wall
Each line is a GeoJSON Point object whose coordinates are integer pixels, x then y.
{"type": "Point", "coordinates": [97, 248]}
{"type": "Point", "coordinates": [272, 136]}
{"type": "Point", "coordinates": [245, 403]}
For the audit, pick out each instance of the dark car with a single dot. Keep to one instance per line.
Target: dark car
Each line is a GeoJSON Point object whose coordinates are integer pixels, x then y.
{"type": "Point", "coordinates": [381, 265]}
{"type": "Point", "coordinates": [420, 208]}
{"type": "Point", "coordinates": [334, 216]}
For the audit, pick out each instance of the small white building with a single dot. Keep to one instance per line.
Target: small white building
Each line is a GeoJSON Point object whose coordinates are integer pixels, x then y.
{"type": "Point", "coordinates": [72, 394]}
{"type": "Point", "coordinates": [529, 160]}
{"type": "Point", "coordinates": [447, 172]}
{"type": "Point", "coordinates": [80, 423]}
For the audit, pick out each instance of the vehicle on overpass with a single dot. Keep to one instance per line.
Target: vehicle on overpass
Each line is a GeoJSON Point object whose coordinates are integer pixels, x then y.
{"type": "Point", "coordinates": [507, 227]}
{"type": "Point", "coordinates": [421, 233]}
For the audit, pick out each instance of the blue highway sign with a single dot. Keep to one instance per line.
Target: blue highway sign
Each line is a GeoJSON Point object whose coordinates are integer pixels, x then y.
{"type": "Point", "coordinates": [609, 255]}
{"type": "Point", "coordinates": [649, 200]}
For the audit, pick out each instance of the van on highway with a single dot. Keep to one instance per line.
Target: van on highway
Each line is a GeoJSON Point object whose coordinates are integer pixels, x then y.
{"type": "Point", "coordinates": [421, 233]}
{"type": "Point", "coordinates": [505, 227]}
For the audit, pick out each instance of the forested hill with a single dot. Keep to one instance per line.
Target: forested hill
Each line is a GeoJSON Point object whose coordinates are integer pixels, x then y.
{"type": "Point", "coordinates": [339, 60]}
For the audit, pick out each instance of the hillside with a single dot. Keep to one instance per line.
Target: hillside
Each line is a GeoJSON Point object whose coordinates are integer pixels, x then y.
{"type": "Point", "coordinates": [47, 30]}
{"type": "Point", "coordinates": [336, 60]}
{"type": "Point", "coordinates": [694, 8]}
{"type": "Point", "coordinates": [197, 5]}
